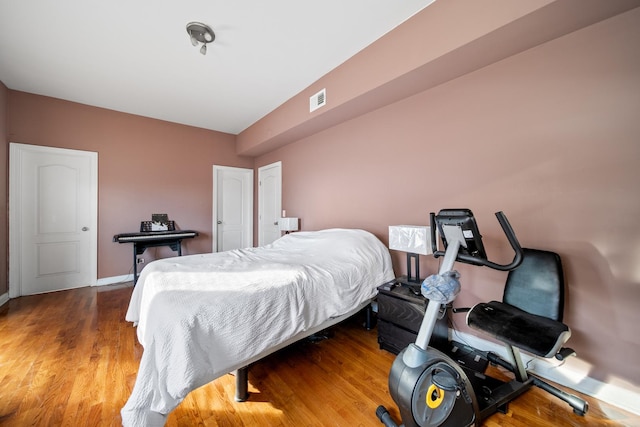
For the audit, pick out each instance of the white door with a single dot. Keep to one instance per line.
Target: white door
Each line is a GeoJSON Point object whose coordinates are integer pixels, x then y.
{"type": "Point", "coordinates": [232, 208]}
{"type": "Point", "coordinates": [269, 202]}
{"type": "Point", "coordinates": [53, 222]}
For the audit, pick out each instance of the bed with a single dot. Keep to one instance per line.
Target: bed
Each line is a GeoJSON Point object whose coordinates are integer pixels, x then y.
{"type": "Point", "coordinates": [202, 316]}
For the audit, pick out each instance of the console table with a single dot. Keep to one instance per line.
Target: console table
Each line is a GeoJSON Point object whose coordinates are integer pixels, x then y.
{"type": "Point", "coordinates": [147, 239]}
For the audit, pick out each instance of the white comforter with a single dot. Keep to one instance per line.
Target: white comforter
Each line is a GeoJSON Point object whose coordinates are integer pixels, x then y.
{"type": "Point", "coordinates": [202, 316]}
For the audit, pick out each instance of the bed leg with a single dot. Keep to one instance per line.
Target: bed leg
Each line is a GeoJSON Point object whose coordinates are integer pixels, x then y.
{"type": "Point", "coordinates": [242, 384]}
{"type": "Point", "coordinates": [369, 320]}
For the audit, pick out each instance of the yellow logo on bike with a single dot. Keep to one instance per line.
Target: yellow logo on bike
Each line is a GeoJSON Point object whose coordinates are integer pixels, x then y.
{"type": "Point", "coordinates": [435, 396]}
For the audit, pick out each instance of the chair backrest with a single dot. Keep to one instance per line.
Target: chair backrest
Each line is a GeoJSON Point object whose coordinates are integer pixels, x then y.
{"type": "Point", "coordinates": [537, 285]}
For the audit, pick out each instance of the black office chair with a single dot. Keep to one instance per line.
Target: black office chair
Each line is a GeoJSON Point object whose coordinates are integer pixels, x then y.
{"type": "Point", "coordinates": [530, 318]}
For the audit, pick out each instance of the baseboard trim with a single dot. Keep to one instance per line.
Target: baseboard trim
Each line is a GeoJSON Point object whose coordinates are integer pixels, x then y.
{"type": "Point", "coordinates": [572, 373]}
{"type": "Point", "coordinates": [114, 280]}
{"type": "Point", "coordinates": [4, 298]}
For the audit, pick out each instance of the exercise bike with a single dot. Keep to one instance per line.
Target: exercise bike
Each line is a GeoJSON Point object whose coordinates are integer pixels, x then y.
{"type": "Point", "coordinates": [428, 386]}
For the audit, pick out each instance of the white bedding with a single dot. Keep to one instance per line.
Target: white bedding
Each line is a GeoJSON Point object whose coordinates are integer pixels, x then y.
{"type": "Point", "coordinates": [202, 316]}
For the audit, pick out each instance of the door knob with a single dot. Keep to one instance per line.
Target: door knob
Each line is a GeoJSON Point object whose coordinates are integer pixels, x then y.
{"type": "Point", "coordinates": [85, 228]}
{"type": "Point", "coordinates": [219, 222]}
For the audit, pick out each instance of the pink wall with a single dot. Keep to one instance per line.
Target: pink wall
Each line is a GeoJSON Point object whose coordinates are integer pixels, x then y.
{"type": "Point", "coordinates": [4, 186]}
{"type": "Point", "coordinates": [145, 166]}
{"type": "Point", "coordinates": [444, 41]}
{"type": "Point", "coordinates": [549, 136]}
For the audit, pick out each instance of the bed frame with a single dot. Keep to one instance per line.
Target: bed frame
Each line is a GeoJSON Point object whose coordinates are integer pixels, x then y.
{"type": "Point", "coordinates": [242, 372]}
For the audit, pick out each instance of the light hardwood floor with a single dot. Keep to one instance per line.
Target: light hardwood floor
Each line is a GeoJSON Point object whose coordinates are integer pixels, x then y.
{"type": "Point", "coordinates": [69, 359]}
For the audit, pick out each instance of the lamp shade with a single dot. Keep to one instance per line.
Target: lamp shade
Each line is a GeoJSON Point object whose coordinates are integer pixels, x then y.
{"type": "Point", "coordinates": [288, 224]}
{"type": "Point", "coordinates": [415, 239]}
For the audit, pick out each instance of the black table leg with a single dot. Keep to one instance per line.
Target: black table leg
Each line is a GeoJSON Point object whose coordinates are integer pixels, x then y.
{"type": "Point", "coordinates": [135, 263]}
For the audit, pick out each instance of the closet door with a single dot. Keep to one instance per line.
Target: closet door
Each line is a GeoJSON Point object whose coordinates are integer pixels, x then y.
{"type": "Point", "coordinates": [233, 208]}
{"type": "Point", "coordinates": [270, 202]}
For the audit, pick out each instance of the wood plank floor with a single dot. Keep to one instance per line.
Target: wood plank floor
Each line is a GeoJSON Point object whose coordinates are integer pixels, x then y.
{"type": "Point", "coordinates": [69, 359]}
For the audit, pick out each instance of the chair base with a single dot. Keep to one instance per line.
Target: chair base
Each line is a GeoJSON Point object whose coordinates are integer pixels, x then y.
{"type": "Point", "coordinates": [579, 406]}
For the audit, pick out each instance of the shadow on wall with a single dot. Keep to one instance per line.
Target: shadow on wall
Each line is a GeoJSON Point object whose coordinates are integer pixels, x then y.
{"type": "Point", "coordinates": [601, 304]}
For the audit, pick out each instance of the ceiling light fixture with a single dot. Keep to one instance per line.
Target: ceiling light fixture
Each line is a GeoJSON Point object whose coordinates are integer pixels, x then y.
{"type": "Point", "coordinates": [200, 33]}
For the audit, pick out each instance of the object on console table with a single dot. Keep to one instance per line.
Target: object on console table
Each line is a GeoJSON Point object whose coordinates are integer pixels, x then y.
{"type": "Point", "coordinates": [147, 239]}
{"type": "Point", "coordinates": [167, 225]}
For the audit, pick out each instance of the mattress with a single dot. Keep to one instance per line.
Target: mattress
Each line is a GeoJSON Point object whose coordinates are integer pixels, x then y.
{"type": "Point", "coordinates": [201, 316]}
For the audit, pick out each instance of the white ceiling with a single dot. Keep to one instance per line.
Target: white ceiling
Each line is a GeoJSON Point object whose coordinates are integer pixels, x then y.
{"type": "Point", "coordinates": [136, 56]}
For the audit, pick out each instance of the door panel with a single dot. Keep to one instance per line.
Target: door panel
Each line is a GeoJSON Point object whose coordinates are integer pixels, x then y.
{"type": "Point", "coordinates": [57, 206]}
{"type": "Point", "coordinates": [270, 202]}
{"type": "Point", "coordinates": [58, 258]}
{"type": "Point", "coordinates": [53, 244]}
{"type": "Point", "coordinates": [233, 210]}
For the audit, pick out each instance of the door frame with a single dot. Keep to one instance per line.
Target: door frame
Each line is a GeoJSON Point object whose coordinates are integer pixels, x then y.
{"type": "Point", "coordinates": [248, 210]}
{"type": "Point", "coordinates": [15, 239]}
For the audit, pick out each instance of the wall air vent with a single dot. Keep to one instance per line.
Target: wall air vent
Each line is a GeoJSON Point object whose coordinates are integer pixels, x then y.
{"type": "Point", "coordinates": [318, 100]}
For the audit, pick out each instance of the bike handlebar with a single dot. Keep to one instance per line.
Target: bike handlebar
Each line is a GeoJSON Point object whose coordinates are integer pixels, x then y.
{"type": "Point", "coordinates": [511, 237]}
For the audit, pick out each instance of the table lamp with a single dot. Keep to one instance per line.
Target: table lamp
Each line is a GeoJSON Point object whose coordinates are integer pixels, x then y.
{"type": "Point", "coordinates": [288, 224]}
{"type": "Point", "coordinates": [414, 240]}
